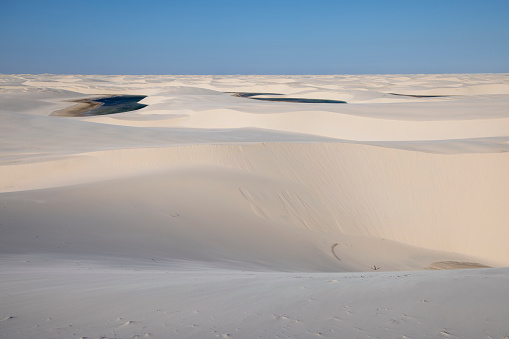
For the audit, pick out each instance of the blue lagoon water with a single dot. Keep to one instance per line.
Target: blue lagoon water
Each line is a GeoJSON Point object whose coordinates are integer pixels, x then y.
{"type": "Point", "coordinates": [117, 104]}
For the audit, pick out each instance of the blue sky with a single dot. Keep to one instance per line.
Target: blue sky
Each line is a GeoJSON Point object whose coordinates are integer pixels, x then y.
{"type": "Point", "coordinates": [254, 37]}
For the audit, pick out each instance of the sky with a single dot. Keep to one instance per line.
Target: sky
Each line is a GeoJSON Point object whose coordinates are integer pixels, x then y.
{"type": "Point", "coordinates": [254, 37]}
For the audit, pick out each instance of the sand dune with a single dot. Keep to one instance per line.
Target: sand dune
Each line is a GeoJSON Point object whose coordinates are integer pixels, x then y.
{"type": "Point", "coordinates": [413, 198]}
{"type": "Point", "coordinates": [186, 213]}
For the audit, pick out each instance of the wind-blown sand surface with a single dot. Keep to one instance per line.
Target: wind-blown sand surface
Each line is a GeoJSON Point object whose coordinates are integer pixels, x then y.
{"type": "Point", "coordinates": [210, 215]}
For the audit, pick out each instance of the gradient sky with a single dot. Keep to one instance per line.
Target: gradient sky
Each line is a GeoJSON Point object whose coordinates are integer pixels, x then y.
{"type": "Point", "coordinates": [254, 37]}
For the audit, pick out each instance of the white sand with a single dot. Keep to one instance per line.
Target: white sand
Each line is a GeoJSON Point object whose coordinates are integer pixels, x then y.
{"type": "Point", "coordinates": [179, 219]}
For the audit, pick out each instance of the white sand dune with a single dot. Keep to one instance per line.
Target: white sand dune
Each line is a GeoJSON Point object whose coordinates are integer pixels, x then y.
{"type": "Point", "coordinates": [205, 214]}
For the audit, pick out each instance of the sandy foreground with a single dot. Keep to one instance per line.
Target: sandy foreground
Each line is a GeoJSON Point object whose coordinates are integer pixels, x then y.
{"type": "Point", "coordinates": [210, 215]}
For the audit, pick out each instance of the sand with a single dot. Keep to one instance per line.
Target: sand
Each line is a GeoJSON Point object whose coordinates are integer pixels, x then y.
{"type": "Point", "coordinates": [206, 214]}
{"type": "Point", "coordinates": [82, 106]}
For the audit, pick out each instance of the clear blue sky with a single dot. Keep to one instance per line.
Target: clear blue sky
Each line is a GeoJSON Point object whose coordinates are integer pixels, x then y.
{"type": "Point", "coordinates": [254, 37]}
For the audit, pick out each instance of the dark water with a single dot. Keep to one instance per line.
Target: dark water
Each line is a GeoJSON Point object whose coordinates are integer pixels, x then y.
{"type": "Point", "coordinates": [301, 100]}
{"type": "Point", "coordinates": [118, 104]}
{"type": "Point", "coordinates": [420, 96]}
{"type": "Point", "coordinates": [249, 94]}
